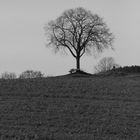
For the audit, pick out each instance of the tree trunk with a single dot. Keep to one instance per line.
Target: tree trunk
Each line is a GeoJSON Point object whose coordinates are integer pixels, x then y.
{"type": "Point", "coordinates": [78, 63]}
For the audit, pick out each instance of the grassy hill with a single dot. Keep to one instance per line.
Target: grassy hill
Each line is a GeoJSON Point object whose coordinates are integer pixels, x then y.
{"type": "Point", "coordinates": [71, 107]}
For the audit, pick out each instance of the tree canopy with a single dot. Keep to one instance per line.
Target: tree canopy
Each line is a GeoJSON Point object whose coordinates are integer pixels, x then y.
{"type": "Point", "coordinates": [30, 74]}
{"type": "Point", "coordinates": [106, 64]}
{"type": "Point", "coordinates": [78, 31]}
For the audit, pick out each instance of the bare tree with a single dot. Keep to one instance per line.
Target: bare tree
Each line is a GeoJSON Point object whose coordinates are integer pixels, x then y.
{"type": "Point", "coordinates": [78, 31]}
{"type": "Point", "coordinates": [106, 64]}
{"type": "Point", "coordinates": [8, 75]}
{"type": "Point", "coordinates": [31, 74]}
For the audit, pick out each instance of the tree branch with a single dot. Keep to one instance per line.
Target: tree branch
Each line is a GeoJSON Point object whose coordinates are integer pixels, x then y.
{"type": "Point", "coordinates": [63, 44]}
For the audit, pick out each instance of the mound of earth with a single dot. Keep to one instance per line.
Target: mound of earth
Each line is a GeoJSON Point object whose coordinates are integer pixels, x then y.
{"type": "Point", "coordinates": [80, 73]}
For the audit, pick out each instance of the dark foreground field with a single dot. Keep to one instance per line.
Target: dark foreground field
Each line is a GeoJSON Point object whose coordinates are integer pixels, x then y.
{"type": "Point", "coordinates": [71, 108]}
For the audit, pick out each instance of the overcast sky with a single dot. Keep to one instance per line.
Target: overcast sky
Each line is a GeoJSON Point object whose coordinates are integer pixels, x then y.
{"type": "Point", "coordinates": [22, 37]}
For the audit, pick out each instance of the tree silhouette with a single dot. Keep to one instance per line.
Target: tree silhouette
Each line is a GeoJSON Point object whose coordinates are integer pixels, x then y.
{"type": "Point", "coordinates": [8, 75]}
{"type": "Point", "coordinates": [80, 32]}
{"type": "Point", "coordinates": [30, 74]}
{"type": "Point", "coordinates": [106, 64]}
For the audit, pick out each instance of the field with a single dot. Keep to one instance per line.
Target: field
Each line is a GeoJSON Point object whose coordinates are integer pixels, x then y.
{"type": "Point", "coordinates": [71, 108]}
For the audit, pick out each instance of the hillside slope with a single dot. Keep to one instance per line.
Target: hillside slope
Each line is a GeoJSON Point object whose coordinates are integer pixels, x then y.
{"type": "Point", "coordinates": [96, 107]}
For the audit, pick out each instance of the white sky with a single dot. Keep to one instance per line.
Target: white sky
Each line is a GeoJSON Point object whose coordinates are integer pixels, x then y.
{"type": "Point", "coordinates": [22, 39]}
